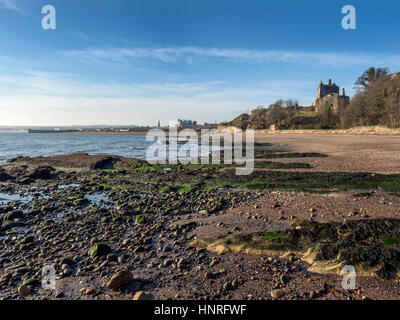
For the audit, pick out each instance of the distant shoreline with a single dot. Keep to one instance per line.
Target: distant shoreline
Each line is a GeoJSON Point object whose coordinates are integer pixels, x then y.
{"type": "Point", "coordinates": [130, 133]}
{"type": "Point", "coordinates": [372, 130]}
{"type": "Point", "coordinates": [120, 133]}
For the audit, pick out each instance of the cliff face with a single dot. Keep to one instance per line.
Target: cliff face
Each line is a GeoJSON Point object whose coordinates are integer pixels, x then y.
{"type": "Point", "coordinates": [395, 75]}
{"type": "Point", "coordinates": [240, 122]}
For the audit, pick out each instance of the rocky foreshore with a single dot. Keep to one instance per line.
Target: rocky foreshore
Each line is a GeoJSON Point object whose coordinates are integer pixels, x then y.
{"type": "Point", "coordinates": [117, 228]}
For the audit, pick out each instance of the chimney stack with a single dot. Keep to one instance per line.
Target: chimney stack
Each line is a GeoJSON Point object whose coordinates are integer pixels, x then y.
{"type": "Point", "coordinates": [330, 81]}
{"type": "Point", "coordinates": [344, 92]}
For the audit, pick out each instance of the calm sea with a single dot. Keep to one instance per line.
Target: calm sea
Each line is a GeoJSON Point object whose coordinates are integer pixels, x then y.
{"type": "Point", "coordinates": [14, 144]}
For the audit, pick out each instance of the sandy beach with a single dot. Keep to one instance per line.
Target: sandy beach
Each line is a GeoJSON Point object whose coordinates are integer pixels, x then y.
{"type": "Point", "coordinates": [347, 152]}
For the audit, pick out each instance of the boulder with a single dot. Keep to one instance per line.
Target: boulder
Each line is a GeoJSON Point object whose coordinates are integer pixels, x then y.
{"type": "Point", "coordinates": [105, 163]}
{"type": "Point", "coordinates": [10, 216]}
{"type": "Point", "coordinates": [43, 173]}
{"type": "Point", "coordinates": [4, 176]}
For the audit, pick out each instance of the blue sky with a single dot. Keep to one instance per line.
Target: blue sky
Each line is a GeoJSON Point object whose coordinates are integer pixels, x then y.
{"type": "Point", "coordinates": [134, 62]}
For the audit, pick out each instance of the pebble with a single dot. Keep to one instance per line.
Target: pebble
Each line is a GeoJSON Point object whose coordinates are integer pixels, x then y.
{"type": "Point", "coordinates": [67, 271]}
{"type": "Point", "coordinates": [235, 283]}
{"type": "Point", "coordinates": [119, 279]}
{"type": "Point", "coordinates": [89, 291]}
{"type": "Point", "coordinates": [284, 279]}
{"type": "Point", "coordinates": [141, 295]}
{"type": "Point", "coordinates": [24, 290]}
{"type": "Point", "coordinates": [213, 263]}
{"type": "Point", "coordinates": [80, 273]}
{"type": "Point", "coordinates": [277, 293]}
{"type": "Point", "coordinates": [112, 257]}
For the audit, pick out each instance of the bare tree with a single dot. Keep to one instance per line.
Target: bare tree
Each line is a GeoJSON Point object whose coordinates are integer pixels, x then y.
{"type": "Point", "coordinates": [369, 76]}
{"type": "Point", "coordinates": [392, 105]}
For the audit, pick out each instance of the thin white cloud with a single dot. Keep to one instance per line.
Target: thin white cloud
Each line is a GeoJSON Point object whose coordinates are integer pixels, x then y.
{"type": "Point", "coordinates": [44, 110]}
{"type": "Point", "coordinates": [34, 82]}
{"type": "Point", "coordinates": [78, 34]}
{"type": "Point", "coordinates": [187, 54]}
{"type": "Point", "coordinates": [11, 5]}
{"type": "Point", "coordinates": [65, 99]}
{"type": "Point", "coordinates": [67, 85]}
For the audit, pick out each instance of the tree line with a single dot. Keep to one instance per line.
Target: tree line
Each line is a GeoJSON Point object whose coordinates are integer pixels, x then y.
{"type": "Point", "coordinates": [377, 101]}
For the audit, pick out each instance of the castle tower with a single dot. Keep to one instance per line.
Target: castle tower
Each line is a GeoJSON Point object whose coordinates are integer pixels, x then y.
{"type": "Point", "coordinates": [330, 93]}
{"type": "Point", "coordinates": [326, 89]}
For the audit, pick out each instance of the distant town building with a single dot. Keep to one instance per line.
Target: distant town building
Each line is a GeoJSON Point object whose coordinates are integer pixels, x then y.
{"type": "Point", "coordinates": [186, 123]}
{"type": "Point", "coordinates": [329, 94]}
{"type": "Point", "coordinates": [207, 125]}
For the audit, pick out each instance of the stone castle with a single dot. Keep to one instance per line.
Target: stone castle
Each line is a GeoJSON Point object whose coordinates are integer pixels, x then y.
{"type": "Point", "coordinates": [328, 94]}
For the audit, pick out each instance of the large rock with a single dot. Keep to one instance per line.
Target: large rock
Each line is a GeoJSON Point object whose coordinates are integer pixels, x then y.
{"type": "Point", "coordinates": [7, 225]}
{"type": "Point", "coordinates": [4, 176]}
{"type": "Point", "coordinates": [120, 279]}
{"type": "Point", "coordinates": [43, 173]}
{"type": "Point", "coordinates": [106, 163]}
{"type": "Point", "coordinates": [10, 216]}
